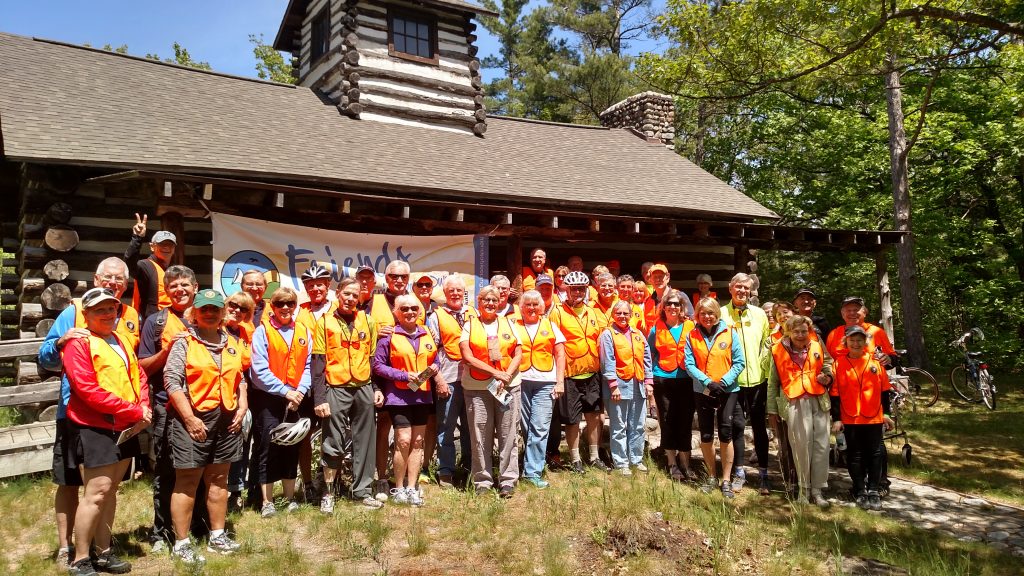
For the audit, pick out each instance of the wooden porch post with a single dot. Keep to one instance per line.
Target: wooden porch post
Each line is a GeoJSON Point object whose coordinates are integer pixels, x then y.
{"type": "Point", "coordinates": [884, 295]}
{"type": "Point", "coordinates": [740, 257]}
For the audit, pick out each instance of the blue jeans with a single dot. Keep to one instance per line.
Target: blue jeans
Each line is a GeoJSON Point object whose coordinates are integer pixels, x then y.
{"type": "Point", "coordinates": [626, 428]}
{"type": "Point", "coordinates": [451, 412]}
{"type": "Point", "coordinates": [536, 421]}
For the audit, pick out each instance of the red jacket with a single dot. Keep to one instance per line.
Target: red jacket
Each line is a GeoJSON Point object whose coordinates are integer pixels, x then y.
{"type": "Point", "coordinates": [91, 405]}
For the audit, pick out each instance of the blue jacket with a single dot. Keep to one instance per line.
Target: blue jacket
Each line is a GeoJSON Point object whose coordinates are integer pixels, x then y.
{"type": "Point", "coordinates": [700, 379]}
{"type": "Point", "coordinates": [607, 355]}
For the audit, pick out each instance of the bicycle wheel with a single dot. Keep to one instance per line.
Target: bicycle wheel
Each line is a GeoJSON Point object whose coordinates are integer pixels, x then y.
{"type": "Point", "coordinates": [923, 386]}
{"type": "Point", "coordinates": [987, 388]}
{"type": "Point", "coordinates": [963, 387]}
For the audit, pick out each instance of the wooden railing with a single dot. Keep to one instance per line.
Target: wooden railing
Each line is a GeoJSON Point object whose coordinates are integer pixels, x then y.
{"type": "Point", "coordinates": [28, 448]}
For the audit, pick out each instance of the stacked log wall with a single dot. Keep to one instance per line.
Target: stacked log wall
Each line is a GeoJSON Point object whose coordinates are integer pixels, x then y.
{"type": "Point", "coordinates": [649, 113]}
{"type": "Point", "coordinates": [361, 77]}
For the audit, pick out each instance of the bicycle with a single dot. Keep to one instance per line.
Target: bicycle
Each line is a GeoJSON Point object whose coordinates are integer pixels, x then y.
{"type": "Point", "coordinates": [915, 385]}
{"type": "Point", "coordinates": [970, 379]}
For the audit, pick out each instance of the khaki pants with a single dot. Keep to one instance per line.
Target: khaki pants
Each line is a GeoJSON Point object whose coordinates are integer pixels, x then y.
{"type": "Point", "coordinates": [487, 423]}
{"type": "Point", "coordinates": [808, 440]}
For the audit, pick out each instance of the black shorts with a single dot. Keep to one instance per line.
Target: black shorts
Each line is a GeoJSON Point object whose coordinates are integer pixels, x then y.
{"type": "Point", "coordinates": [410, 415]}
{"type": "Point", "coordinates": [94, 447]}
{"type": "Point", "coordinates": [582, 396]}
{"type": "Point", "coordinates": [220, 446]}
{"type": "Point", "coordinates": [723, 407]}
{"type": "Point", "coordinates": [63, 473]}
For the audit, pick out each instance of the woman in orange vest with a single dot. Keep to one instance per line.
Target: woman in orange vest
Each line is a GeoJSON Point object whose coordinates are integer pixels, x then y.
{"type": "Point", "coordinates": [238, 312]}
{"type": "Point", "coordinates": [673, 388]}
{"type": "Point", "coordinates": [281, 351]}
{"type": "Point", "coordinates": [492, 353]}
{"type": "Point", "coordinates": [714, 359]}
{"type": "Point", "coordinates": [204, 382]}
{"type": "Point", "coordinates": [703, 289]}
{"type": "Point", "coordinates": [799, 377]}
{"type": "Point", "coordinates": [626, 367]}
{"type": "Point", "coordinates": [780, 313]}
{"type": "Point", "coordinates": [543, 373]}
{"type": "Point", "coordinates": [860, 410]}
{"type": "Point", "coordinates": [109, 402]}
{"type": "Point", "coordinates": [405, 362]}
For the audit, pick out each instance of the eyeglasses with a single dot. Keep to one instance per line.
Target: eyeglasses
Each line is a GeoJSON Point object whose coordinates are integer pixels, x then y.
{"type": "Point", "coordinates": [673, 305]}
{"type": "Point", "coordinates": [112, 278]}
{"type": "Point", "coordinates": [234, 306]}
{"type": "Point", "coordinates": [490, 300]}
{"type": "Point", "coordinates": [398, 276]}
{"type": "Point", "coordinates": [409, 308]}
{"type": "Point", "coordinates": [283, 304]}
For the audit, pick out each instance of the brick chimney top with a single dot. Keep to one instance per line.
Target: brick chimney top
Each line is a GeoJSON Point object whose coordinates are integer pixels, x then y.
{"type": "Point", "coordinates": [648, 113]}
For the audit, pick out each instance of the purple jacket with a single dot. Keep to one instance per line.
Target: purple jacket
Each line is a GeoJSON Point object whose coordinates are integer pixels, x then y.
{"type": "Point", "coordinates": [385, 375]}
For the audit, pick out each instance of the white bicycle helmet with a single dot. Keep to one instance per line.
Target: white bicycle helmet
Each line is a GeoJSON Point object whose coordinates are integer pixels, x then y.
{"type": "Point", "coordinates": [290, 433]}
{"type": "Point", "coordinates": [576, 278]}
{"type": "Point", "coordinates": [314, 272]}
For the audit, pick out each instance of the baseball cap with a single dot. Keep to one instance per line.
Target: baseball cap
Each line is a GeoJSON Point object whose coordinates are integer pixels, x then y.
{"type": "Point", "coordinates": [853, 300]}
{"type": "Point", "coordinates": [427, 277]}
{"type": "Point", "coordinates": [163, 236]}
{"type": "Point", "coordinates": [544, 279]}
{"type": "Point", "coordinates": [94, 296]}
{"type": "Point", "coordinates": [365, 268]}
{"type": "Point", "coordinates": [855, 329]}
{"type": "Point", "coordinates": [657, 268]}
{"type": "Point", "coordinates": [208, 297]}
{"type": "Point", "coordinates": [805, 290]}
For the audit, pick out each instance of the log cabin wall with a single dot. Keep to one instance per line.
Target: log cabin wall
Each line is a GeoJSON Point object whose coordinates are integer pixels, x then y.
{"type": "Point", "coordinates": [367, 79]}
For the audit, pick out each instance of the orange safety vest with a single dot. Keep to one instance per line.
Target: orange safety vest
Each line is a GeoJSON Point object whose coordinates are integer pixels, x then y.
{"type": "Point", "coordinates": [162, 299]}
{"type": "Point", "coordinates": [629, 354]}
{"type": "Point", "coordinates": [305, 315]}
{"type": "Point", "coordinates": [172, 326]}
{"type": "Point", "coordinates": [794, 380]}
{"type": "Point", "coordinates": [112, 374]}
{"type": "Point", "coordinates": [581, 338]}
{"type": "Point", "coordinates": [777, 335]}
{"type": "Point", "coordinates": [671, 352]}
{"type": "Point", "coordinates": [208, 385]}
{"type": "Point", "coordinates": [478, 346]}
{"type": "Point", "coordinates": [877, 338]}
{"type": "Point", "coordinates": [859, 383]}
{"type": "Point", "coordinates": [127, 323]}
{"type": "Point", "coordinates": [530, 277]}
{"type": "Point", "coordinates": [250, 326]}
{"type": "Point", "coordinates": [287, 362]}
{"type": "Point", "coordinates": [381, 311]}
{"type": "Point", "coordinates": [348, 358]}
{"type": "Point", "coordinates": [450, 330]}
{"type": "Point", "coordinates": [539, 351]}
{"type": "Point", "coordinates": [697, 298]}
{"type": "Point", "coordinates": [403, 357]}
{"type": "Point", "coordinates": [650, 311]}
{"type": "Point", "coordinates": [715, 362]}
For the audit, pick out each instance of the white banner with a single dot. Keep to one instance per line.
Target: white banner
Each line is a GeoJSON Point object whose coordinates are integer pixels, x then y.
{"type": "Point", "coordinates": [283, 252]}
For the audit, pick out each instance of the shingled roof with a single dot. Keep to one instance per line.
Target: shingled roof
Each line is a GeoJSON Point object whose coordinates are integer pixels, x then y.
{"type": "Point", "coordinates": [74, 105]}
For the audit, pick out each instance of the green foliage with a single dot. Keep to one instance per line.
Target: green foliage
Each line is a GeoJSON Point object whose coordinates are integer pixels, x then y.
{"type": "Point", "coordinates": [270, 64]}
{"type": "Point", "coordinates": [182, 58]}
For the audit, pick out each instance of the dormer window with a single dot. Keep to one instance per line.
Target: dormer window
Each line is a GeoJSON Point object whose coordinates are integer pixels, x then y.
{"type": "Point", "coordinates": [320, 41]}
{"type": "Point", "coordinates": [412, 36]}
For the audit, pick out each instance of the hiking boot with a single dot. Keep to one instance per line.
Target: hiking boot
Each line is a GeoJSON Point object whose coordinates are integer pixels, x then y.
{"type": "Point", "coordinates": [371, 503]}
{"type": "Point", "coordinates": [381, 490]}
{"type": "Point", "coordinates": [82, 568]}
{"type": "Point", "coordinates": [709, 484]}
{"type": "Point", "coordinates": [727, 490]}
{"type": "Point", "coordinates": [818, 500]}
{"type": "Point", "coordinates": [223, 544]}
{"type": "Point", "coordinates": [65, 556]}
{"type": "Point", "coordinates": [874, 501]}
{"type": "Point", "coordinates": [676, 473]}
{"type": "Point", "coordinates": [187, 555]}
{"type": "Point", "coordinates": [862, 501]}
{"type": "Point", "coordinates": [399, 495]}
{"type": "Point", "coordinates": [764, 487]}
{"type": "Point", "coordinates": [268, 510]}
{"type": "Point", "coordinates": [506, 492]}
{"type": "Point", "coordinates": [107, 562]}
{"type": "Point", "coordinates": [327, 504]}
{"type": "Point", "coordinates": [739, 478]}
{"type": "Point", "coordinates": [576, 467]}
{"type": "Point", "coordinates": [482, 490]}
{"type": "Point", "coordinates": [599, 464]}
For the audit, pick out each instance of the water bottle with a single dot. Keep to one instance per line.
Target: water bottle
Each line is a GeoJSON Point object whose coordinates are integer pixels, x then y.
{"type": "Point", "coordinates": [841, 441]}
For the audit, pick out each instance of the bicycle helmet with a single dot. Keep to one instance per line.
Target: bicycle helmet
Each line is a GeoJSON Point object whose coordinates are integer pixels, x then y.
{"type": "Point", "coordinates": [290, 433]}
{"type": "Point", "coordinates": [576, 278]}
{"type": "Point", "coordinates": [315, 272]}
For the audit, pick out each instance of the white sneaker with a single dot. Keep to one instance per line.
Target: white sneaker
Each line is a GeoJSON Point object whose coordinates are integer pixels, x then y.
{"type": "Point", "coordinates": [327, 504]}
{"type": "Point", "coordinates": [641, 467]}
{"type": "Point", "coordinates": [371, 503]}
{"type": "Point", "coordinates": [187, 555]}
{"type": "Point", "coordinates": [293, 506]}
{"type": "Point", "coordinates": [380, 490]}
{"type": "Point", "coordinates": [415, 497]}
{"type": "Point", "coordinates": [625, 471]}
{"type": "Point", "coordinates": [400, 495]}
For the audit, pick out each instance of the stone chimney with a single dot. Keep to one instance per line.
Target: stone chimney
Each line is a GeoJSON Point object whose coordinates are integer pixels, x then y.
{"type": "Point", "coordinates": [649, 114]}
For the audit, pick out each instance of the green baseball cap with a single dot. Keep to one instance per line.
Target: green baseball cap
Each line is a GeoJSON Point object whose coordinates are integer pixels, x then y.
{"type": "Point", "coordinates": [208, 297]}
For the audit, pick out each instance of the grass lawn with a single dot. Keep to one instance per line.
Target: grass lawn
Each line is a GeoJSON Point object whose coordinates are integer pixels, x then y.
{"type": "Point", "coordinates": [968, 448]}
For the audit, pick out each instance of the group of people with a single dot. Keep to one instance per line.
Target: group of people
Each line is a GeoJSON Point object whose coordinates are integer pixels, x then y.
{"type": "Point", "coordinates": [230, 389]}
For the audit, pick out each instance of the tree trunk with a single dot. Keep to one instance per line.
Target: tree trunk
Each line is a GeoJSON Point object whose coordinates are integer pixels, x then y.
{"type": "Point", "coordinates": [909, 297]}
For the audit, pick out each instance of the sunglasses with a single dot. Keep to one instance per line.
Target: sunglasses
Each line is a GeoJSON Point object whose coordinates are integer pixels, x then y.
{"type": "Point", "coordinates": [409, 308]}
{"type": "Point", "coordinates": [233, 306]}
{"type": "Point", "coordinates": [424, 285]}
{"type": "Point", "coordinates": [283, 304]}
{"type": "Point", "coordinates": [398, 276]}
{"type": "Point", "coordinates": [673, 305]}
